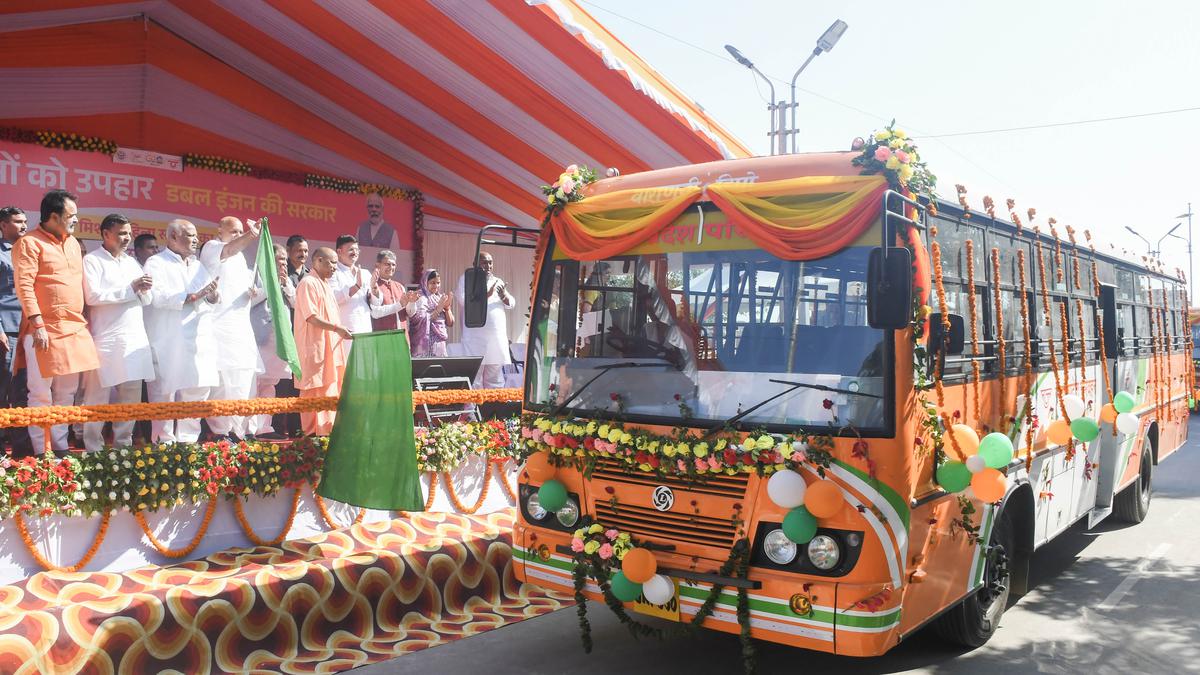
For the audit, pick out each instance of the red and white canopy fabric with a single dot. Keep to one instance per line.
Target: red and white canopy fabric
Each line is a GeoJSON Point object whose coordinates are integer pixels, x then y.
{"type": "Point", "coordinates": [474, 102]}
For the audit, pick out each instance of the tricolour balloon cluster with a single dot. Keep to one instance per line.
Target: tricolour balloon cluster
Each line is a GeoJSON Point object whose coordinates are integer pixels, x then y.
{"type": "Point", "coordinates": [805, 503]}
{"type": "Point", "coordinates": [985, 458]}
{"type": "Point", "coordinates": [639, 577]}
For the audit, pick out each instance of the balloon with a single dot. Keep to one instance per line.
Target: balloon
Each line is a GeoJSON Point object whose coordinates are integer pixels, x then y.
{"type": "Point", "coordinates": [799, 525]}
{"type": "Point", "coordinates": [976, 463]}
{"type": "Point", "coordinates": [1085, 429]}
{"type": "Point", "coordinates": [624, 589]}
{"type": "Point", "coordinates": [1108, 413]}
{"type": "Point", "coordinates": [786, 488]}
{"type": "Point", "coordinates": [552, 496]}
{"type": "Point", "coordinates": [968, 440]}
{"type": "Point", "coordinates": [659, 590]}
{"type": "Point", "coordinates": [953, 476]}
{"type": "Point", "coordinates": [989, 485]}
{"type": "Point", "coordinates": [1124, 402]}
{"type": "Point", "coordinates": [539, 468]}
{"type": "Point", "coordinates": [1059, 432]}
{"type": "Point", "coordinates": [823, 499]}
{"type": "Point", "coordinates": [996, 450]}
{"type": "Point", "coordinates": [1074, 405]}
{"type": "Point", "coordinates": [639, 565]}
{"type": "Point", "coordinates": [1128, 423]}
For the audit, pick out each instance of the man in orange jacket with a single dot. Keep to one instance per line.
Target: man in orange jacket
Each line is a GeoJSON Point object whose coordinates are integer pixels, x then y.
{"type": "Point", "coordinates": [55, 343]}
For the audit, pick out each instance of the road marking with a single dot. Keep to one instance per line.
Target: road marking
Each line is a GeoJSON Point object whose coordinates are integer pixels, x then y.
{"type": "Point", "coordinates": [1132, 578]}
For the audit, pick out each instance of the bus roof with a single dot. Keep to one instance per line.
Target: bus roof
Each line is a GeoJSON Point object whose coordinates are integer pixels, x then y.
{"type": "Point", "coordinates": [751, 170]}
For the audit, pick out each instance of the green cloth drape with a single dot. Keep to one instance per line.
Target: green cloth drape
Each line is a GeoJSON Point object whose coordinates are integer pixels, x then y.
{"type": "Point", "coordinates": [372, 458]}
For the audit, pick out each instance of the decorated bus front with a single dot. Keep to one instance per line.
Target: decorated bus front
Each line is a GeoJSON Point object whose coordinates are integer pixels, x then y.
{"type": "Point", "coordinates": [712, 416]}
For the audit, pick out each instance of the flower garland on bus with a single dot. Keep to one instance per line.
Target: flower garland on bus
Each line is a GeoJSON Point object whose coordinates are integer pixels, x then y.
{"type": "Point", "coordinates": [581, 445]}
{"type": "Point", "coordinates": [567, 189]}
{"type": "Point", "coordinates": [893, 154]}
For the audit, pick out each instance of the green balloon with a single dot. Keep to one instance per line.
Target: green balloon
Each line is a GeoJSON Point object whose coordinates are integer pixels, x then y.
{"type": "Point", "coordinates": [1085, 429]}
{"type": "Point", "coordinates": [623, 589]}
{"type": "Point", "coordinates": [552, 495]}
{"type": "Point", "coordinates": [953, 476]}
{"type": "Point", "coordinates": [996, 450]}
{"type": "Point", "coordinates": [1124, 402]}
{"type": "Point", "coordinates": [799, 525]}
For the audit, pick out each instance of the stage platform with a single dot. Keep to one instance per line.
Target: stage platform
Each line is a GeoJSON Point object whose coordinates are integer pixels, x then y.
{"type": "Point", "coordinates": [326, 603]}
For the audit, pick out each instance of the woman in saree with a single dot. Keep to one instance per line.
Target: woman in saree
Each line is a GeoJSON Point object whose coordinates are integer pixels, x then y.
{"type": "Point", "coordinates": [429, 317]}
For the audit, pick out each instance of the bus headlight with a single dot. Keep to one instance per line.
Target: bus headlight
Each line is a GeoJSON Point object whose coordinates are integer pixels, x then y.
{"type": "Point", "coordinates": [824, 552]}
{"type": "Point", "coordinates": [779, 548]}
{"type": "Point", "coordinates": [568, 515]}
{"type": "Point", "coordinates": [534, 507]}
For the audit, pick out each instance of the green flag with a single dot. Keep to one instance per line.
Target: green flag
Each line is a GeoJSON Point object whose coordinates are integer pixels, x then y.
{"type": "Point", "coordinates": [372, 457]}
{"type": "Point", "coordinates": [281, 320]}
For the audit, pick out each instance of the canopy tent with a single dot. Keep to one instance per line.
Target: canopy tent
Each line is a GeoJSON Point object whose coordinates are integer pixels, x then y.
{"type": "Point", "coordinates": [475, 104]}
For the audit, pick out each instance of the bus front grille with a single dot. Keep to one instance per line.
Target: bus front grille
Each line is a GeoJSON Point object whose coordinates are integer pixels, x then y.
{"type": "Point", "coordinates": [684, 527]}
{"type": "Point", "coordinates": [720, 485]}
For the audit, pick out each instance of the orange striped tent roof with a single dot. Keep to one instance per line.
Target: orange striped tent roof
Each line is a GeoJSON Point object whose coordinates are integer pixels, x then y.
{"type": "Point", "coordinates": [476, 104]}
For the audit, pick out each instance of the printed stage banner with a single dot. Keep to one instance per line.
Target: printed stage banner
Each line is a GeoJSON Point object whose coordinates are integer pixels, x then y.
{"type": "Point", "coordinates": [151, 197]}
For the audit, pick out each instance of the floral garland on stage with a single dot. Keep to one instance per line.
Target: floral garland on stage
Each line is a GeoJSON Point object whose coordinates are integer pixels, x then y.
{"type": "Point", "coordinates": [153, 477]}
{"type": "Point", "coordinates": [581, 445]}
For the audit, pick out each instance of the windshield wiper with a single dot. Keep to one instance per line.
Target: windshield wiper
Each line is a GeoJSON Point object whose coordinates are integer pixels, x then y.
{"type": "Point", "coordinates": [603, 371]}
{"type": "Point", "coordinates": [792, 386]}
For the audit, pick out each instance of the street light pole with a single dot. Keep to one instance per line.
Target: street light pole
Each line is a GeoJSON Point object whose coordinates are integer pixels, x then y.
{"type": "Point", "coordinates": [1158, 244]}
{"type": "Point", "coordinates": [1189, 250]}
{"type": "Point", "coordinates": [825, 43]}
{"type": "Point", "coordinates": [772, 106]}
{"type": "Point", "coordinates": [1149, 250]}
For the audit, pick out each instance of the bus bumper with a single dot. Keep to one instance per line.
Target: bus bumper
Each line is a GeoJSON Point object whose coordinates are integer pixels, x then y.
{"type": "Point", "coordinates": [805, 612]}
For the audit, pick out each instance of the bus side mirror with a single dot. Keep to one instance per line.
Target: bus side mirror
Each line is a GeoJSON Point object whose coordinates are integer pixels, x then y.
{"type": "Point", "coordinates": [889, 288]}
{"type": "Point", "coordinates": [956, 342]}
{"type": "Point", "coordinates": [474, 297]}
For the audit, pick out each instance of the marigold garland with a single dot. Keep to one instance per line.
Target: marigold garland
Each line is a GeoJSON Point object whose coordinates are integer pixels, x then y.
{"type": "Point", "coordinates": [947, 424]}
{"type": "Point", "coordinates": [46, 564]}
{"type": "Point", "coordinates": [1058, 257]}
{"type": "Point", "coordinates": [249, 531]}
{"type": "Point", "coordinates": [936, 252]}
{"type": "Point", "coordinates": [320, 502]}
{"type": "Point", "coordinates": [1027, 384]}
{"type": "Point", "coordinates": [1058, 384]}
{"type": "Point", "coordinates": [1013, 215]}
{"type": "Point", "coordinates": [1099, 322]}
{"type": "Point", "coordinates": [504, 485]}
{"type": "Point", "coordinates": [1082, 339]}
{"type": "Point", "coordinates": [78, 142]}
{"type": "Point", "coordinates": [1000, 344]}
{"type": "Point", "coordinates": [433, 480]}
{"type": "Point", "coordinates": [140, 516]}
{"type": "Point", "coordinates": [1074, 257]}
{"type": "Point", "coordinates": [962, 200]}
{"type": "Point", "coordinates": [462, 508]}
{"type": "Point", "coordinates": [971, 302]}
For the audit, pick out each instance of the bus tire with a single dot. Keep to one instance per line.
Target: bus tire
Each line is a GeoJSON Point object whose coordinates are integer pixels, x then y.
{"type": "Point", "coordinates": [1133, 503]}
{"type": "Point", "coordinates": [974, 620]}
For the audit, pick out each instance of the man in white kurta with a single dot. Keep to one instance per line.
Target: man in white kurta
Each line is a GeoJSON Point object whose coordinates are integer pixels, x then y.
{"type": "Point", "coordinates": [115, 290]}
{"type": "Point", "coordinates": [274, 368]}
{"type": "Point", "coordinates": [351, 287]}
{"type": "Point", "coordinates": [238, 362]}
{"type": "Point", "coordinates": [179, 322]}
{"type": "Point", "coordinates": [491, 340]}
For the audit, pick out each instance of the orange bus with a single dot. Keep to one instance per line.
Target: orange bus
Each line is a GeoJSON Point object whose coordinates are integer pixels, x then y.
{"type": "Point", "coordinates": [774, 377]}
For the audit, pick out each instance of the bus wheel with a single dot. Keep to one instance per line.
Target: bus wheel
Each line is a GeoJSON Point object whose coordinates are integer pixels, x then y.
{"type": "Point", "coordinates": [973, 621]}
{"type": "Point", "coordinates": [1133, 503]}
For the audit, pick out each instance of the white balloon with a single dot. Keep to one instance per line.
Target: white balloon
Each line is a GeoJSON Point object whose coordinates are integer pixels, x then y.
{"type": "Point", "coordinates": [1128, 423]}
{"type": "Point", "coordinates": [1075, 406]}
{"type": "Point", "coordinates": [659, 590]}
{"type": "Point", "coordinates": [976, 463]}
{"type": "Point", "coordinates": [786, 488]}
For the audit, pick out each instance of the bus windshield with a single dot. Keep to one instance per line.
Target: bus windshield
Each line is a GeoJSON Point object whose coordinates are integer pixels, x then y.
{"type": "Point", "coordinates": [699, 337]}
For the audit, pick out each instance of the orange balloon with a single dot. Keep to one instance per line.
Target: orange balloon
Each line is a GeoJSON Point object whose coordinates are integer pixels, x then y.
{"type": "Point", "coordinates": [1108, 414]}
{"type": "Point", "coordinates": [968, 440]}
{"type": "Point", "coordinates": [823, 499]}
{"type": "Point", "coordinates": [539, 468]}
{"type": "Point", "coordinates": [1059, 432]}
{"type": "Point", "coordinates": [989, 485]}
{"type": "Point", "coordinates": [639, 565]}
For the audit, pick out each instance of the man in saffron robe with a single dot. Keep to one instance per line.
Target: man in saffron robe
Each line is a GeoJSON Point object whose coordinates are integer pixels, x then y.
{"type": "Point", "coordinates": [48, 271]}
{"type": "Point", "coordinates": [319, 335]}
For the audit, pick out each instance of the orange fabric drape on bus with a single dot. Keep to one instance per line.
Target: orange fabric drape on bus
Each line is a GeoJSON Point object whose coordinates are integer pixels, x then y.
{"type": "Point", "coordinates": [802, 218]}
{"type": "Point", "coordinates": [610, 224]}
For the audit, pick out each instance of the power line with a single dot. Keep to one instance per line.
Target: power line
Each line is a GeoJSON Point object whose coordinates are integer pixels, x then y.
{"type": "Point", "coordinates": [1065, 124]}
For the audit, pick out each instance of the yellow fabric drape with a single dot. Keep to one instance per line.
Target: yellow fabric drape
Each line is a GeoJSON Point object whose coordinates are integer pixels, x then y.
{"type": "Point", "coordinates": [612, 223]}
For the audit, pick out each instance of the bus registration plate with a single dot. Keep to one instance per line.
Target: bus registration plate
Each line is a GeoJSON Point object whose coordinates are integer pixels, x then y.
{"type": "Point", "coordinates": [669, 610]}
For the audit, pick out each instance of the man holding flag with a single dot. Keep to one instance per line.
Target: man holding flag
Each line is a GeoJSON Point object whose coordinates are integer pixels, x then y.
{"type": "Point", "coordinates": [271, 266]}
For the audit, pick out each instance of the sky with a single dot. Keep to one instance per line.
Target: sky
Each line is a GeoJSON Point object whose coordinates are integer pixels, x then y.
{"type": "Point", "coordinates": [942, 67]}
